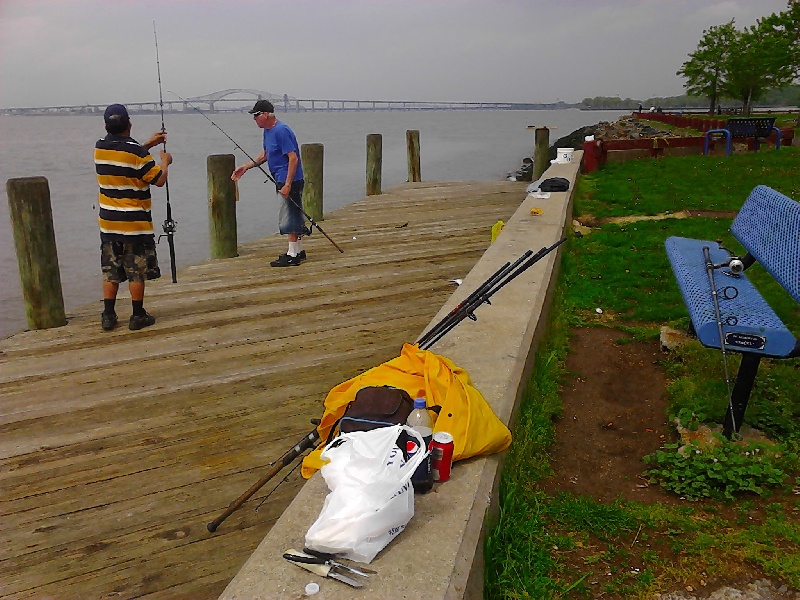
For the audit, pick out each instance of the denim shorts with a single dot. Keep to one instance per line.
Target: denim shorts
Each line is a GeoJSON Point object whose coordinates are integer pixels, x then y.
{"type": "Point", "coordinates": [291, 218]}
{"type": "Point", "coordinates": [132, 261]}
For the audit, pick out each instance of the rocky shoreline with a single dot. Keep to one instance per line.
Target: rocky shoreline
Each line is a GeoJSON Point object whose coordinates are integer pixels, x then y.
{"type": "Point", "coordinates": [626, 128]}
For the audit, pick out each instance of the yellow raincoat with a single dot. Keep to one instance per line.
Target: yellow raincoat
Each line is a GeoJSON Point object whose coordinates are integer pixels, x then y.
{"type": "Point", "coordinates": [465, 414]}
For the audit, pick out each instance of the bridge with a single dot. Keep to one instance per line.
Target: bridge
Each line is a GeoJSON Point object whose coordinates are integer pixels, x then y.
{"type": "Point", "coordinates": [241, 100]}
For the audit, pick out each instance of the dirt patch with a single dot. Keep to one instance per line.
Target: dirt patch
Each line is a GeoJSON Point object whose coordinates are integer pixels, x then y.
{"type": "Point", "coordinates": [614, 414]}
{"type": "Point", "coordinates": [591, 221]}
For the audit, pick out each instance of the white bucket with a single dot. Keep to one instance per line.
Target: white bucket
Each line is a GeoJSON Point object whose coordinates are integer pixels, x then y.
{"type": "Point", "coordinates": [564, 155]}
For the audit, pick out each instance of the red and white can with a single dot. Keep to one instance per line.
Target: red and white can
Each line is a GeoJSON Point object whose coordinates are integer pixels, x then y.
{"type": "Point", "coordinates": [441, 455]}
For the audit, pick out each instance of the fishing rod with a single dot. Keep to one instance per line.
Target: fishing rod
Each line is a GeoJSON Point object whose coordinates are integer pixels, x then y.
{"type": "Point", "coordinates": [169, 225]}
{"type": "Point", "coordinates": [710, 266]}
{"type": "Point", "coordinates": [309, 441]}
{"type": "Point", "coordinates": [444, 322]}
{"type": "Point", "coordinates": [466, 308]}
{"type": "Point", "coordinates": [269, 177]}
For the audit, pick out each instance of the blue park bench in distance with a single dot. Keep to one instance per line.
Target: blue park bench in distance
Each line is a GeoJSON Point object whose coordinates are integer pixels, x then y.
{"type": "Point", "coordinates": [744, 127]}
{"type": "Point", "coordinates": [768, 227]}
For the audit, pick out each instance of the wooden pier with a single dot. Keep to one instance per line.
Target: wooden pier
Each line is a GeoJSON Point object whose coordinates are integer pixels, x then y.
{"type": "Point", "coordinates": [117, 448]}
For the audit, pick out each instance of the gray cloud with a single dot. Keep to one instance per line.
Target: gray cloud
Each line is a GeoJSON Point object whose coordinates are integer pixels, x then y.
{"type": "Point", "coordinates": [56, 52]}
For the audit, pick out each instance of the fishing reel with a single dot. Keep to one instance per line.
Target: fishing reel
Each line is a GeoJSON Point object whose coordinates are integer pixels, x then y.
{"type": "Point", "coordinates": [734, 264]}
{"type": "Point", "coordinates": [170, 226]}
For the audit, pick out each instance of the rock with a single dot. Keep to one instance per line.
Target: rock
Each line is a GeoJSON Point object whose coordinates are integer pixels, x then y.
{"type": "Point", "coordinates": [627, 128]}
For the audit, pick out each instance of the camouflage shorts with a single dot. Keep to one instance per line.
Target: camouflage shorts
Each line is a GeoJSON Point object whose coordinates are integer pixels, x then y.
{"type": "Point", "coordinates": [131, 261]}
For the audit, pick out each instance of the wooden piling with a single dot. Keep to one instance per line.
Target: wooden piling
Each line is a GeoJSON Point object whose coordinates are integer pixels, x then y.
{"type": "Point", "coordinates": [374, 163]}
{"type": "Point", "coordinates": [222, 206]}
{"type": "Point", "coordinates": [35, 242]}
{"type": "Point", "coordinates": [312, 156]}
{"type": "Point", "coordinates": [541, 152]}
{"type": "Point", "coordinates": [412, 144]}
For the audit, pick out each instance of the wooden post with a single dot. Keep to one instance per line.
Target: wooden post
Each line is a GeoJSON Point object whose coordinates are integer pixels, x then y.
{"type": "Point", "coordinates": [222, 206]}
{"type": "Point", "coordinates": [412, 144]}
{"type": "Point", "coordinates": [374, 163]}
{"type": "Point", "coordinates": [312, 156]}
{"type": "Point", "coordinates": [541, 152]}
{"type": "Point", "coordinates": [35, 242]}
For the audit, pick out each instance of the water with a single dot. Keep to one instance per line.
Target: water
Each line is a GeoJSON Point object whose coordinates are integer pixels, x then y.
{"type": "Point", "coordinates": [454, 146]}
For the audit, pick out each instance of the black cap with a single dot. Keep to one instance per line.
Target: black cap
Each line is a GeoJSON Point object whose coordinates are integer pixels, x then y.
{"type": "Point", "coordinates": [263, 106]}
{"type": "Point", "coordinates": [116, 110]}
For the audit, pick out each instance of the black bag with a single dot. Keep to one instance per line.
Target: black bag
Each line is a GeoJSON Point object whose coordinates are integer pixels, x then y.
{"type": "Point", "coordinates": [554, 184]}
{"type": "Point", "coordinates": [376, 406]}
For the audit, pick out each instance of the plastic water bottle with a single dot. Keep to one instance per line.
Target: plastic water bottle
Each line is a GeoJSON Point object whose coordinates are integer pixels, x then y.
{"type": "Point", "coordinates": [420, 420]}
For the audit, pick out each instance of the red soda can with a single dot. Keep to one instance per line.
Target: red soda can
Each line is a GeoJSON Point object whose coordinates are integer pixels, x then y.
{"type": "Point", "coordinates": [441, 455]}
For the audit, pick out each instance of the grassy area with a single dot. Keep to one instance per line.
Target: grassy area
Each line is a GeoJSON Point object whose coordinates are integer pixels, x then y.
{"type": "Point", "coordinates": [567, 546]}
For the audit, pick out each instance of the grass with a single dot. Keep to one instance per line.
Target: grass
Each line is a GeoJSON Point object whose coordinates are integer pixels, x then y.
{"type": "Point", "coordinates": [573, 547]}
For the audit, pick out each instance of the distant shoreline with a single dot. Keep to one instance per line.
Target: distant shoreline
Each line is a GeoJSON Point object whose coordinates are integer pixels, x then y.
{"type": "Point", "coordinates": [93, 111]}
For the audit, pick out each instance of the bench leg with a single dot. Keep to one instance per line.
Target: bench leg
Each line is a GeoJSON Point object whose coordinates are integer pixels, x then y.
{"type": "Point", "coordinates": [740, 395]}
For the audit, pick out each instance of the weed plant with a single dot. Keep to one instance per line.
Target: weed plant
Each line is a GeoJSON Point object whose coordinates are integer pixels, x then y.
{"type": "Point", "coordinates": [566, 546]}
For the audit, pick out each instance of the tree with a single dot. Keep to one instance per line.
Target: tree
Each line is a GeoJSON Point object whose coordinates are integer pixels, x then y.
{"type": "Point", "coordinates": [705, 69]}
{"type": "Point", "coordinates": [762, 58]}
{"type": "Point", "coordinates": [746, 64]}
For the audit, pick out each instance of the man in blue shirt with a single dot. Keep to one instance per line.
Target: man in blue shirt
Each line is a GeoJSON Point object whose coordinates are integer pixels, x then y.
{"type": "Point", "coordinates": [282, 155]}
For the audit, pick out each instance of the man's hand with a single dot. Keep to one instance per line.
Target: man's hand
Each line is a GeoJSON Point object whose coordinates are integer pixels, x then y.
{"type": "Point", "coordinates": [166, 158]}
{"type": "Point", "coordinates": [239, 171]}
{"type": "Point", "coordinates": [284, 191]}
{"type": "Point", "coordinates": [160, 137]}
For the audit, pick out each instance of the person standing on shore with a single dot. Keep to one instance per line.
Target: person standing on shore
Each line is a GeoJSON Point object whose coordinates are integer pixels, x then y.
{"type": "Point", "coordinates": [282, 155]}
{"type": "Point", "coordinates": [125, 171]}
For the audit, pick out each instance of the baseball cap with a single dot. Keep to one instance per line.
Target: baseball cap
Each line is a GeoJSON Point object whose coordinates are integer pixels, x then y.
{"type": "Point", "coordinates": [262, 106]}
{"type": "Point", "coordinates": [116, 110]}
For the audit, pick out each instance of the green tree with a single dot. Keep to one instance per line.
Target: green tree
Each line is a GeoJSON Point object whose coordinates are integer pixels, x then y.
{"type": "Point", "coordinates": [706, 67]}
{"type": "Point", "coordinates": [762, 58]}
{"type": "Point", "coordinates": [746, 64]}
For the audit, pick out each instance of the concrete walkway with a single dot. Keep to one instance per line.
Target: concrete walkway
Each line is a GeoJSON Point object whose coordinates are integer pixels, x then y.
{"type": "Point", "coordinates": [440, 554]}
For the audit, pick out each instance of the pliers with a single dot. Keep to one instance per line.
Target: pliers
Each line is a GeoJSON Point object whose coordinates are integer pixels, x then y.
{"type": "Point", "coordinates": [326, 567]}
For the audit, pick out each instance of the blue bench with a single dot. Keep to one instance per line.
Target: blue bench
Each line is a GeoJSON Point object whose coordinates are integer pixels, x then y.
{"type": "Point", "coordinates": [744, 127]}
{"type": "Point", "coordinates": [768, 227]}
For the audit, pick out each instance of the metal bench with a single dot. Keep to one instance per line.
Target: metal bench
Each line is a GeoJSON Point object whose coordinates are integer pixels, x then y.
{"type": "Point", "coordinates": [745, 127]}
{"type": "Point", "coordinates": [732, 315]}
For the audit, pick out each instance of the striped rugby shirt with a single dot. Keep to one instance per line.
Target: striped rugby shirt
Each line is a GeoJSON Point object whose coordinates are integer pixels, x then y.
{"type": "Point", "coordinates": [125, 171]}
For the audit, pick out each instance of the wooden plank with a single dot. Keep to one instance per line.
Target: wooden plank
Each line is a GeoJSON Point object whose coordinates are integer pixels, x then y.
{"type": "Point", "coordinates": [117, 448]}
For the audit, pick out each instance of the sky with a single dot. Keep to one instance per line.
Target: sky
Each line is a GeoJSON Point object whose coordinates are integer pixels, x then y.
{"type": "Point", "coordinates": [73, 52]}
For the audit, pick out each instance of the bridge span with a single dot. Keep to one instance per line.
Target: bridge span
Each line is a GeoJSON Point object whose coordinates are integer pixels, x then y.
{"type": "Point", "coordinates": [241, 100]}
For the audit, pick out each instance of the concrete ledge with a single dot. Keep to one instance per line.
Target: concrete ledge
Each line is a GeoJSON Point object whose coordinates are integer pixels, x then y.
{"type": "Point", "coordinates": [440, 554]}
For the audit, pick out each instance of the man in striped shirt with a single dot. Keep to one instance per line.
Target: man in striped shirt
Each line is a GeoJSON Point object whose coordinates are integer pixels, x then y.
{"type": "Point", "coordinates": [125, 171]}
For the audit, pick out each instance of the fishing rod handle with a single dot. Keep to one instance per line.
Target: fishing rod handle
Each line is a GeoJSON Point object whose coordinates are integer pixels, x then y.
{"type": "Point", "coordinates": [308, 441]}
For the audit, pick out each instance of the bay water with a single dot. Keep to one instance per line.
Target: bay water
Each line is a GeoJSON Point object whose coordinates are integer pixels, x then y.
{"type": "Point", "coordinates": [472, 145]}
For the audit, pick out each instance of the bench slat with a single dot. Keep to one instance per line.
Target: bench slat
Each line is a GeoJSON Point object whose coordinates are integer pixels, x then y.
{"type": "Point", "coordinates": [749, 323]}
{"type": "Point", "coordinates": [750, 126]}
{"type": "Point", "coordinates": [768, 226]}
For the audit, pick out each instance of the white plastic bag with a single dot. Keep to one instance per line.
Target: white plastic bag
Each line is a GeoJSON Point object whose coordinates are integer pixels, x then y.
{"type": "Point", "coordinates": [371, 499]}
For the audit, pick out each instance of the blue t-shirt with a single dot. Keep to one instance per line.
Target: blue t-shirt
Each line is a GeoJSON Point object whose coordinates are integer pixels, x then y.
{"type": "Point", "coordinates": [278, 142]}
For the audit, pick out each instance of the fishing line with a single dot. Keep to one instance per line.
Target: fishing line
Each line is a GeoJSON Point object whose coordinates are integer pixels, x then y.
{"type": "Point", "coordinates": [710, 272]}
{"type": "Point", "coordinates": [169, 225]}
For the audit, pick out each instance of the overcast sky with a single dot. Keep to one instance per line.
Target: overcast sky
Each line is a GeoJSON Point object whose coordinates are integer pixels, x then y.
{"type": "Point", "coordinates": [69, 52]}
